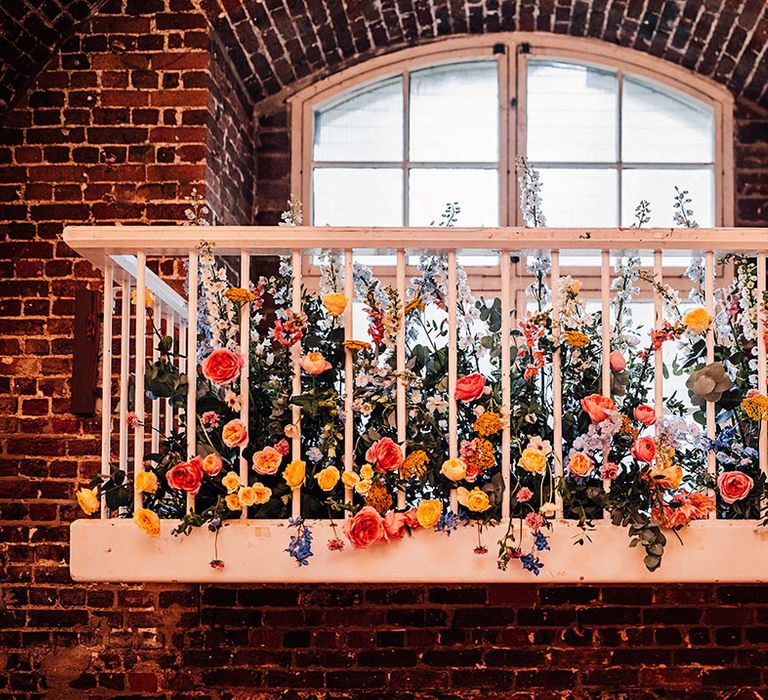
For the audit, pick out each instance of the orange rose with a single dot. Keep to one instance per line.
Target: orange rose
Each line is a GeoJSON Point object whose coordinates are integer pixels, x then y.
{"type": "Point", "coordinates": [580, 465]}
{"type": "Point", "coordinates": [267, 461]}
{"type": "Point", "coordinates": [385, 455]}
{"type": "Point", "coordinates": [222, 366]}
{"type": "Point", "coordinates": [667, 477]}
{"type": "Point", "coordinates": [186, 476]}
{"type": "Point", "coordinates": [212, 465]}
{"type": "Point", "coordinates": [234, 433]}
{"type": "Point", "coordinates": [314, 363]}
{"type": "Point", "coordinates": [469, 388]}
{"type": "Point", "coordinates": [597, 407]}
{"type": "Point", "coordinates": [644, 449]}
{"type": "Point", "coordinates": [364, 528]}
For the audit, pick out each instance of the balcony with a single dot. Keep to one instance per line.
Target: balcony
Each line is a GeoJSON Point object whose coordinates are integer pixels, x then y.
{"type": "Point", "coordinates": [466, 322]}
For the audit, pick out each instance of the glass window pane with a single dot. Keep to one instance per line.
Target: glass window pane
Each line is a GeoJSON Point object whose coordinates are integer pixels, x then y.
{"type": "Point", "coordinates": [571, 113]}
{"type": "Point", "coordinates": [475, 190]}
{"type": "Point", "coordinates": [364, 125]}
{"type": "Point", "coordinates": [660, 125]}
{"type": "Point", "coordinates": [580, 196]}
{"type": "Point", "coordinates": [658, 187]}
{"type": "Point", "coordinates": [357, 197]}
{"type": "Point", "coordinates": [455, 113]}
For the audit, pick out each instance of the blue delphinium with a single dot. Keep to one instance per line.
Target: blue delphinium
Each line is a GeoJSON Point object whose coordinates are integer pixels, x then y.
{"type": "Point", "coordinates": [531, 563]}
{"type": "Point", "coordinates": [447, 523]}
{"type": "Point", "coordinates": [300, 546]}
{"type": "Point", "coordinates": [540, 542]}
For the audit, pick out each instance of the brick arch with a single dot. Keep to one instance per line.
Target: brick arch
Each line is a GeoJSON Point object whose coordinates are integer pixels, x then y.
{"type": "Point", "coordinates": [274, 49]}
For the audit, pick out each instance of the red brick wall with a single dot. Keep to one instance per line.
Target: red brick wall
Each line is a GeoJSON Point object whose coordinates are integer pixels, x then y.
{"type": "Point", "coordinates": [139, 106]}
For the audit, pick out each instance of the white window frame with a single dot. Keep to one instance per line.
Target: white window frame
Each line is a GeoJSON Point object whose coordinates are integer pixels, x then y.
{"type": "Point", "coordinates": [511, 51]}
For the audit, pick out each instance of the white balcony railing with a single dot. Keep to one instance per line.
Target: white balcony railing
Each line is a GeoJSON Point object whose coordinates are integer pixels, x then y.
{"type": "Point", "coordinates": [727, 544]}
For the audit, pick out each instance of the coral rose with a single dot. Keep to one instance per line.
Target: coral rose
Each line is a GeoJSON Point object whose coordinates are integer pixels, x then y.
{"type": "Point", "coordinates": [385, 455]}
{"type": "Point", "coordinates": [644, 449]}
{"type": "Point", "coordinates": [88, 500]}
{"type": "Point", "coordinates": [580, 465]}
{"type": "Point", "coordinates": [314, 363]}
{"type": "Point", "coordinates": [335, 303]}
{"type": "Point", "coordinates": [617, 361]}
{"type": "Point", "coordinates": [328, 478]}
{"type": "Point", "coordinates": [234, 433]}
{"type": "Point", "coordinates": [429, 513]}
{"type": "Point", "coordinates": [469, 388]}
{"type": "Point", "coordinates": [186, 476]}
{"type": "Point", "coordinates": [597, 407]}
{"type": "Point", "coordinates": [645, 414]}
{"type": "Point", "coordinates": [697, 320]}
{"type": "Point", "coordinates": [222, 366]}
{"type": "Point", "coordinates": [294, 473]}
{"type": "Point", "coordinates": [454, 469]}
{"type": "Point", "coordinates": [267, 461]}
{"type": "Point", "coordinates": [364, 528]}
{"type": "Point", "coordinates": [734, 486]}
{"type": "Point", "coordinates": [212, 465]}
{"type": "Point", "coordinates": [475, 500]}
{"type": "Point", "coordinates": [148, 521]}
{"type": "Point", "coordinates": [398, 524]}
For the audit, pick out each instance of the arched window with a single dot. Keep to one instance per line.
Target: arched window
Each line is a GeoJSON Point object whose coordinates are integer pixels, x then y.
{"type": "Point", "coordinates": [390, 141]}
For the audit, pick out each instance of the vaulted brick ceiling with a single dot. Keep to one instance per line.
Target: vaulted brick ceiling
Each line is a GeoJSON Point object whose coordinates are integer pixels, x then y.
{"type": "Point", "coordinates": [272, 44]}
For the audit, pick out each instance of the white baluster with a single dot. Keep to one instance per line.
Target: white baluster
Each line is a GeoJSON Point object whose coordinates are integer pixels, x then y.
{"type": "Point", "coordinates": [709, 299]}
{"type": "Point", "coordinates": [453, 418]}
{"type": "Point", "coordinates": [125, 354]}
{"type": "Point", "coordinates": [141, 351]}
{"type": "Point", "coordinates": [506, 399]}
{"type": "Point", "coordinates": [605, 295]}
{"type": "Point", "coordinates": [191, 366]}
{"type": "Point", "coordinates": [557, 382]}
{"type": "Point", "coordinates": [761, 358]}
{"type": "Point", "coordinates": [658, 356]}
{"type": "Point", "coordinates": [400, 359]}
{"type": "Point", "coordinates": [349, 419]}
{"type": "Point", "coordinates": [245, 350]}
{"type": "Point", "coordinates": [106, 379]}
{"type": "Point", "coordinates": [296, 385]}
{"type": "Point", "coordinates": [158, 311]}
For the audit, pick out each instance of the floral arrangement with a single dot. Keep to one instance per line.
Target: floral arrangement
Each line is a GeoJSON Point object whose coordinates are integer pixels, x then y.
{"type": "Point", "coordinates": [642, 466]}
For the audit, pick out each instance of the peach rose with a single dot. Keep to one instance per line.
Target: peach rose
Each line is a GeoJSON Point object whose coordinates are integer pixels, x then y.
{"type": "Point", "coordinates": [314, 363]}
{"type": "Point", "coordinates": [454, 469]}
{"type": "Point", "coordinates": [267, 461]}
{"type": "Point", "coordinates": [734, 486]}
{"type": "Point", "coordinates": [644, 450]}
{"type": "Point", "coordinates": [222, 366]}
{"type": "Point", "coordinates": [667, 477]}
{"type": "Point", "coordinates": [617, 361]}
{"type": "Point", "coordinates": [234, 433]}
{"type": "Point", "coordinates": [398, 524]}
{"type": "Point", "coordinates": [645, 414]}
{"type": "Point", "coordinates": [364, 528]}
{"type": "Point", "coordinates": [212, 465]}
{"type": "Point", "coordinates": [186, 476]}
{"type": "Point", "coordinates": [597, 407]}
{"type": "Point", "coordinates": [385, 455]}
{"type": "Point", "coordinates": [262, 493]}
{"type": "Point", "coordinates": [580, 465]}
{"type": "Point", "coordinates": [469, 388]}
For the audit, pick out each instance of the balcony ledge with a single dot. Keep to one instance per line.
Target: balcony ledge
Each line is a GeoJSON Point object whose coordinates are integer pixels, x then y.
{"type": "Point", "coordinates": [253, 551]}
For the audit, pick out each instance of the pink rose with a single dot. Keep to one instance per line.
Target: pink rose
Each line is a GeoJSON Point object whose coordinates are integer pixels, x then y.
{"type": "Point", "coordinates": [364, 528]}
{"type": "Point", "coordinates": [398, 524]}
{"type": "Point", "coordinates": [618, 363]}
{"type": "Point", "coordinates": [733, 486]}
{"type": "Point", "coordinates": [222, 366]}
{"type": "Point", "coordinates": [609, 471]}
{"type": "Point", "coordinates": [645, 414]}
{"type": "Point", "coordinates": [469, 388]}
{"type": "Point", "coordinates": [644, 449]}
{"type": "Point", "coordinates": [385, 455]}
{"type": "Point", "coordinates": [597, 407]}
{"type": "Point", "coordinates": [314, 363]}
{"type": "Point", "coordinates": [186, 476]}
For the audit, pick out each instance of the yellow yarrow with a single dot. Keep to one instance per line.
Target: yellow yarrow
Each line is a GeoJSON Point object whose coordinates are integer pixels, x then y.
{"type": "Point", "coordinates": [416, 304]}
{"type": "Point", "coordinates": [756, 407]}
{"type": "Point", "coordinates": [379, 497]}
{"type": "Point", "coordinates": [415, 465]}
{"type": "Point", "coordinates": [356, 345]}
{"type": "Point", "coordinates": [488, 423]}
{"type": "Point", "coordinates": [576, 339]}
{"type": "Point", "coordinates": [238, 295]}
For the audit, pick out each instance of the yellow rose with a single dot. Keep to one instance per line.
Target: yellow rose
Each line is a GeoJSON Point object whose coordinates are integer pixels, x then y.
{"type": "Point", "coordinates": [149, 300]}
{"type": "Point", "coordinates": [231, 482]}
{"type": "Point", "coordinates": [262, 493]}
{"type": "Point", "coordinates": [428, 513]}
{"type": "Point", "coordinates": [335, 303]}
{"type": "Point", "coordinates": [533, 460]}
{"type": "Point", "coordinates": [667, 476]}
{"type": "Point", "coordinates": [294, 473]}
{"type": "Point", "coordinates": [233, 502]}
{"type": "Point", "coordinates": [327, 478]}
{"type": "Point", "coordinates": [147, 521]}
{"type": "Point", "coordinates": [476, 500]}
{"type": "Point", "coordinates": [146, 482]}
{"type": "Point", "coordinates": [363, 486]}
{"type": "Point", "coordinates": [88, 500]}
{"type": "Point", "coordinates": [350, 479]}
{"type": "Point", "coordinates": [697, 320]}
{"type": "Point", "coordinates": [246, 495]}
{"type": "Point", "coordinates": [366, 472]}
{"type": "Point", "coordinates": [454, 469]}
